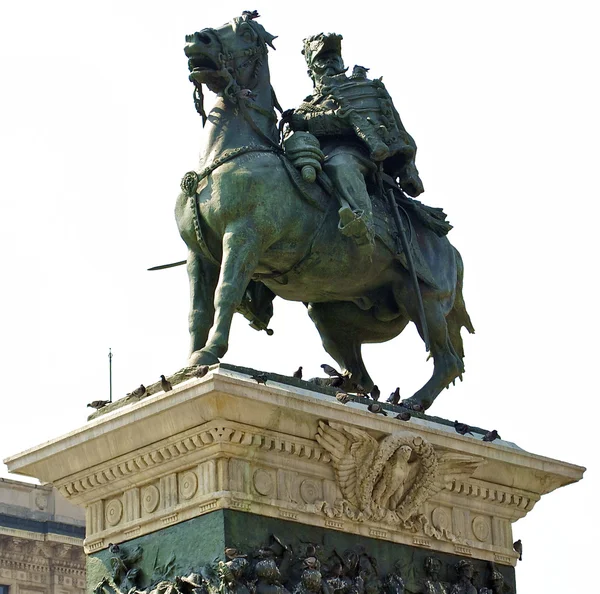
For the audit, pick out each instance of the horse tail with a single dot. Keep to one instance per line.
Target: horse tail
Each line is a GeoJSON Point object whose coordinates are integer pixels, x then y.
{"type": "Point", "coordinates": [458, 317]}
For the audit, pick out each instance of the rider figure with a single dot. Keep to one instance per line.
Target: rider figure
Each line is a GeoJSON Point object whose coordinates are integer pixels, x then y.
{"type": "Point", "coordinates": [358, 127]}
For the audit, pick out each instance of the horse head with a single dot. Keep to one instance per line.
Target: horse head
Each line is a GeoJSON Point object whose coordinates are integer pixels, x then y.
{"type": "Point", "coordinates": [227, 59]}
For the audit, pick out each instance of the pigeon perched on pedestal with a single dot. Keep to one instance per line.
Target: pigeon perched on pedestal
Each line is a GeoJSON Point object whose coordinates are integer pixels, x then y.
{"type": "Point", "coordinates": [394, 397]}
{"type": "Point", "coordinates": [201, 371]}
{"type": "Point", "coordinates": [376, 408]}
{"type": "Point", "coordinates": [342, 397]}
{"type": "Point", "coordinates": [98, 404]}
{"type": "Point", "coordinates": [336, 382]}
{"type": "Point", "coordinates": [138, 392]}
{"type": "Point", "coordinates": [260, 378]}
{"type": "Point", "coordinates": [359, 389]}
{"type": "Point", "coordinates": [165, 384]}
{"type": "Point", "coordinates": [491, 435]}
{"type": "Point", "coordinates": [518, 546]}
{"type": "Point", "coordinates": [330, 371]}
{"type": "Point", "coordinates": [462, 428]}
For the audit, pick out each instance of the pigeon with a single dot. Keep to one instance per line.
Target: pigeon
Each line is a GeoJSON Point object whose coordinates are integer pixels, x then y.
{"type": "Point", "coordinates": [201, 371]}
{"type": "Point", "coordinates": [298, 372]}
{"type": "Point", "coordinates": [342, 397]}
{"type": "Point", "coordinates": [113, 548]}
{"type": "Point", "coordinates": [330, 371]}
{"type": "Point", "coordinates": [394, 397]}
{"type": "Point", "coordinates": [98, 404]}
{"type": "Point", "coordinates": [403, 416]}
{"type": "Point", "coordinates": [165, 384]}
{"type": "Point", "coordinates": [360, 390]}
{"type": "Point", "coordinates": [376, 408]}
{"type": "Point", "coordinates": [375, 393]}
{"type": "Point", "coordinates": [138, 392]}
{"type": "Point", "coordinates": [414, 406]}
{"type": "Point", "coordinates": [260, 378]}
{"type": "Point", "coordinates": [336, 382]}
{"type": "Point", "coordinates": [491, 436]}
{"type": "Point", "coordinates": [246, 95]}
{"type": "Point", "coordinates": [462, 428]}
{"type": "Point", "coordinates": [518, 546]}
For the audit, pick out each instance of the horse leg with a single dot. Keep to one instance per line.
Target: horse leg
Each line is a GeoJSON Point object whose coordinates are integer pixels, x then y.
{"type": "Point", "coordinates": [240, 258]}
{"type": "Point", "coordinates": [447, 363]}
{"type": "Point", "coordinates": [458, 317]}
{"type": "Point", "coordinates": [344, 328]}
{"type": "Point", "coordinates": [203, 277]}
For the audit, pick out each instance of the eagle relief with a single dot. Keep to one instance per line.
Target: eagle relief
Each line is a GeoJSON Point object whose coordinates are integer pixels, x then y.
{"type": "Point", "coordinates": [388, 480]}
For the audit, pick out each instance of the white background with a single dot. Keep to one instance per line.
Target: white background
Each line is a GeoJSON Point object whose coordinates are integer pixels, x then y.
{"type": "Point", "coordinates": [97, 126]}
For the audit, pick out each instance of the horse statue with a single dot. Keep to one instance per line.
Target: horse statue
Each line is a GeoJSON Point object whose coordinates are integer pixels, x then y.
{"type": "Point", "coordinates": [255, 229]}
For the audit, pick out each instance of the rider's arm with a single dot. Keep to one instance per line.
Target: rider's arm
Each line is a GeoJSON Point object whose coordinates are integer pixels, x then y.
{"type": "Point", "coordinates": [320, 120]}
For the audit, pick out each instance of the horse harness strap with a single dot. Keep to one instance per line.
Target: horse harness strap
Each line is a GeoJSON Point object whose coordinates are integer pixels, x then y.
{"type": "Point", "coordinates": [191, 180]}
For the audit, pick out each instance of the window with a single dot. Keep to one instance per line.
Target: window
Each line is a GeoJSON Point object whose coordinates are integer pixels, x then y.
{"type": "Point", "coordinates": [3, 589]}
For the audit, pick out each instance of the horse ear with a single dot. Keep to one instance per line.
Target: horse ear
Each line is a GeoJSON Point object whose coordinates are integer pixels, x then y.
{"type": "Point", "coordinates": [264, 35]}
{"type": "Point", "coordinates": [269, 39]}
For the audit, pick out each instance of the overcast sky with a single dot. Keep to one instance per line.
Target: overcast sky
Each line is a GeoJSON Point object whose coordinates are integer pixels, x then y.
{"type": "Point", "coordinates": [97, 126]}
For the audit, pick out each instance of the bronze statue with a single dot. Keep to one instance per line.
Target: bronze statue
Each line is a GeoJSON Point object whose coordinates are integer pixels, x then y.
{"type": "Point", "coordinates": [255, 227]}
{"type": "Point", "coordinates": [358, 127]}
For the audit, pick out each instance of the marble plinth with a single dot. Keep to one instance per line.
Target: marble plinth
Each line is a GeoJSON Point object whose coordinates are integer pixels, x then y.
{"type": "Point", "coordinates": [289, 453]}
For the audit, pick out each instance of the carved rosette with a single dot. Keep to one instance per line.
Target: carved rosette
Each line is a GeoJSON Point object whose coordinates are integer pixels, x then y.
{"type": "Point", "coordinates": [346, 479]}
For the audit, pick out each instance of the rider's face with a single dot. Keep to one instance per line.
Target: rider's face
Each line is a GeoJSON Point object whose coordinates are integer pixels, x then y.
{"type": "Point", "coordinates": [327, 64]}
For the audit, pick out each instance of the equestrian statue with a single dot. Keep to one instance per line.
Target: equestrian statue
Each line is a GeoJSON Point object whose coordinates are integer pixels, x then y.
{"type": "Point", "coordinates": [319, 209]}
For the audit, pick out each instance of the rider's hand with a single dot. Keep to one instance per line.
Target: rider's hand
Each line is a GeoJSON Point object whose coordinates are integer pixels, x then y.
{"type": "Point", "coordinates": [286, 116]}
{"type": "Point", "coordinates": [410, 181]}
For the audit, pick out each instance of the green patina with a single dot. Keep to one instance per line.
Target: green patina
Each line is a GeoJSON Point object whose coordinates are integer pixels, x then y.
{"type": "Point", "coordinates": [327, 217]}
{"type": "Point", "coordinates": [193, 543]}
{"type": "Point", "coordinates": [198, 542]}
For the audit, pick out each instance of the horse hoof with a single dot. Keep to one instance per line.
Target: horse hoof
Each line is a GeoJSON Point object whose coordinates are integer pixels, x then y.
{"type": "Point", "coordinates": [415, 405]}
{"type": "Point", "coordinates": [202, 358]}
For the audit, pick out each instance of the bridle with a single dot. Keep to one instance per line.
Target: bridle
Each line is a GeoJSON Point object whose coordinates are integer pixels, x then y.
{"type": "Point", "coordinates": [229, 68]}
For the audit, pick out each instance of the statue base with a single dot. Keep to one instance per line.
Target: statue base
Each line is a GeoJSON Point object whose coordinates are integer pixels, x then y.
{"type": "Point", "coordinates": [224, 461]}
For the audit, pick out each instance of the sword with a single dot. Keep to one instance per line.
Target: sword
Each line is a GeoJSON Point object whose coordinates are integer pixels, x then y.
{"type": "Point", "coordinates": [409, 261]}
{"type": "Point", "coordinates": [172, 265]}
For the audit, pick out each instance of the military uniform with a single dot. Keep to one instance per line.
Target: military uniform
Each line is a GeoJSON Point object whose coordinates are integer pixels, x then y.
{"type": "Point", "coordinates": [358, 127]}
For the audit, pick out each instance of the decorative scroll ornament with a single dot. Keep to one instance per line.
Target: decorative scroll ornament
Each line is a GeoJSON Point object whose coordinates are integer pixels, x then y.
{"type": "Point", "coordinates": [387, 479]}
{"type": "Point", "coordinates": [189, 183]}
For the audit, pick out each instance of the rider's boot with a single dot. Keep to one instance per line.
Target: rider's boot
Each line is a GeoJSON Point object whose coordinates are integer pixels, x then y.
{"type": "Point", "coordinates": [356, 214]}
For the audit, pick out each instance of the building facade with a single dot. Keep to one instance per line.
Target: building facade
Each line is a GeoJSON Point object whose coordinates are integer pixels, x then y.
{"type": "Point", "coordinates": [41, 541]}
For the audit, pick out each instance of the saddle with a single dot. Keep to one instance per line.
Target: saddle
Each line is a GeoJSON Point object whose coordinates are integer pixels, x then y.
{"type": "Point", "coordinates": [412, 211]}
{"type": "Point", "coordinates": [385, 231]}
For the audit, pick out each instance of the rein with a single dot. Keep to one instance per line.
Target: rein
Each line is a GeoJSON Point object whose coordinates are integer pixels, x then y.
{"type": "Point", "coordinates": [191, 180]}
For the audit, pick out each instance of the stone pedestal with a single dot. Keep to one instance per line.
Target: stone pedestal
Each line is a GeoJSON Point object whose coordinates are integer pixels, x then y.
{"type": "Point", "coordinates": [223, 461]}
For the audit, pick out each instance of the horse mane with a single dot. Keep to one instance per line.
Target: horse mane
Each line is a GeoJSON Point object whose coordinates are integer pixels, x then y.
{"type": "Point", "coordinates": [263, 35]}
